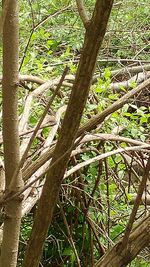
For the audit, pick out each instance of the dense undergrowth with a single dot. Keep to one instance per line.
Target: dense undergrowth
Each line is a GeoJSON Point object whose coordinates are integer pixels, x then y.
{"type": "Point", "coordinates": [95, 202]}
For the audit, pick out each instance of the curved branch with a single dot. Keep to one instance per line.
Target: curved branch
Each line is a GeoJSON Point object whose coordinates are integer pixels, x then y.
{"type": "Point", "coordinates": [103, 156]}
{"type": "Point", "coordinates": [87, 138]}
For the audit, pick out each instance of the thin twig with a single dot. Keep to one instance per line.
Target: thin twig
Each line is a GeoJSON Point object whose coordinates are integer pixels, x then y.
{"type": "Point", "coordinates": [69, 234]}
{"type": "Point", "coordinates": [108, 198]}
{"type": "Point", "coordinates": [96, 183]}
{"type": "Point", "coordinates": [36, 27]}
{"type": "Point", "coordinates": [9, 196]}
{"type": "Point", "coordinates": [136, 205]}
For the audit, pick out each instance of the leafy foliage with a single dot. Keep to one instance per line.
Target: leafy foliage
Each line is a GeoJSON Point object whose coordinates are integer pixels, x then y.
{"type": "Point", "coordinates": [95, 200]}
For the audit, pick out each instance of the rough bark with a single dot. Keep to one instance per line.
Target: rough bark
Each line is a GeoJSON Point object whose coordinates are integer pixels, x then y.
{"type": "Point", "coordinates": [93, 39]}
{"type": "Point", "coordinates": [138, 240]}
{"type": "Point", "coordinates": [12, 213]}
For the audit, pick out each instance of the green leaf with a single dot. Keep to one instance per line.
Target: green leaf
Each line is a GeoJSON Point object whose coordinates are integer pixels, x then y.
{"type": "Point", "coordinates": [85, 157]}
{"type": "Point", "coordinates": [107, 73]}
{"type": "Point", "coordinates": [67, 251]}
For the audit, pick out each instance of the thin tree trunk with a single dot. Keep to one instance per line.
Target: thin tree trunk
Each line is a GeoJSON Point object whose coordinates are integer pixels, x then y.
{"type": "Point", "coordinates": [12, 213]}
{"type": "Point", "coordinates": [93, 39]}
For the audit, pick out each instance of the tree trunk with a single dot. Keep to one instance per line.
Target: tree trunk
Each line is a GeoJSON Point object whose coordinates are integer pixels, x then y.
{"type": "Point", "coordinates": [93, 39]}
{"type": "Point", "coordinates": [12, 213]}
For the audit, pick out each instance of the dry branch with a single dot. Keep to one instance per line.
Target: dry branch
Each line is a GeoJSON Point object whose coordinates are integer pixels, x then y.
{"type": "Point", "coordinates": [93, 122]}
{"type": "Point", "coordinates": [103, 156]}
{"type": "Point", "coordinates": [138, 78]}
{"type": "Point", "coordinates": [24, 156]}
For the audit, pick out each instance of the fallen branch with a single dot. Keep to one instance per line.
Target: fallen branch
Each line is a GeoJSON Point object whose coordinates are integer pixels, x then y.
{"type": "Point", "coordinates": [138, 78]}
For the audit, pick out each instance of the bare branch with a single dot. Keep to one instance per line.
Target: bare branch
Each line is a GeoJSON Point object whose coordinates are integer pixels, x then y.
{"type": "Point", "coordinates": [136, 205]}
{"type": "Point", "coordinates": [138, 78]}
{"type": "Point", "coordinates": [99, 118]}
{"type": "Point", "coordinates": [103, 156]}
{"type": "Point", "coordinates": [83, 13]}
{"type": "Point", "coordinates": [69, 235]}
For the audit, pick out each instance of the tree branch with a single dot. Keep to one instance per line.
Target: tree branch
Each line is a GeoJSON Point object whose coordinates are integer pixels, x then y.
{"type": "Point", "coordinates": [138, 240]}
{"type": "Point", "coordinates": [71, 122]}
{"type": "Point", "coordinates": [83, 13]}
{"type": "Point", "coordinates": [136, 204]}
{"type": "Point", "coordinates": [99, 118]}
